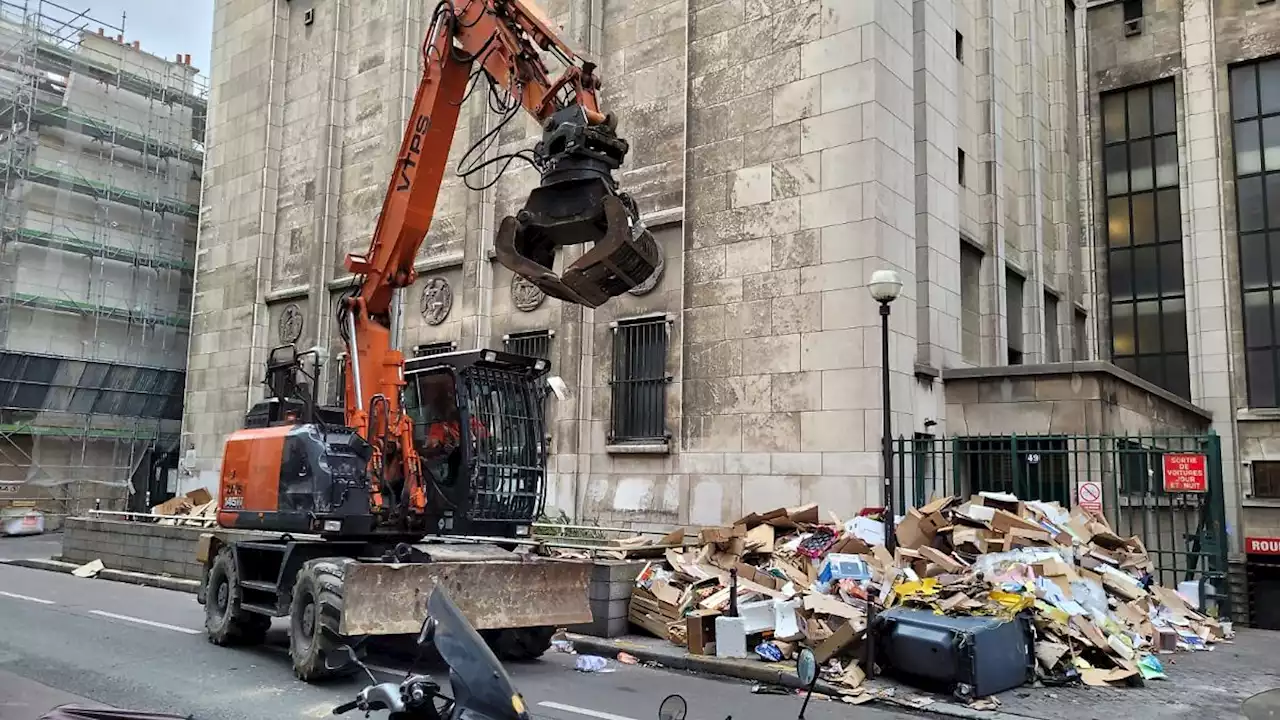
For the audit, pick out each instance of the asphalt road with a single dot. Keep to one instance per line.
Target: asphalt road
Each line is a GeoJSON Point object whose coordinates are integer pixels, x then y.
{"type": "Point", "coordinates": [66, 639]}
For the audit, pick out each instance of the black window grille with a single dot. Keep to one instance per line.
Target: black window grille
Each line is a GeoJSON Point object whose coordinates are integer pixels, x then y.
{"type": "Point", "coordinates": [435, 348]}
{"type": "Point", "coordinates": [640, 380]}
{"type": "Point", "coordinates": [1144, 231]}
{"type": "Point", "coordinates": [1255, 108]}
{"type": "Point", "coordinates": [536, 344]}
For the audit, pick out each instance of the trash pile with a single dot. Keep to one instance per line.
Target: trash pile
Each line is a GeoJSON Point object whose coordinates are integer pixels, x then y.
{"type": "Point", "coordinates": [196, 508]}
{"type": "Point", "coordinates": [1093, 607]}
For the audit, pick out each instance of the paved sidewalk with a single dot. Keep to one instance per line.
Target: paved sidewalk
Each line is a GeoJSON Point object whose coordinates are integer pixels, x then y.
{"type": "Point", "coordinates": [1202, 685]}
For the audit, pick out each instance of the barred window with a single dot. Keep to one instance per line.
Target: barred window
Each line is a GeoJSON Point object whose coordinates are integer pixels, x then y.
{"type": "Point", "coordinates": [435, 348]}
{"type": "Point", "coordinates": [536, 344]}
{"type": "Point", "coordinates": [640, 380]}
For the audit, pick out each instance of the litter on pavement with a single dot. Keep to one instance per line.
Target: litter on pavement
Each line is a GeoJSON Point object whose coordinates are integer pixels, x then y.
{"type": "Point", "coordinates": [592, 664]}
{"type": "Point", "coordinates": [1088, 595]}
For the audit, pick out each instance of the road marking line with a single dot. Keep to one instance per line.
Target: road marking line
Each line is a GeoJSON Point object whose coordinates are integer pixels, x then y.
{"type": "Point", "coordinates": [27, 597]}
{"type": "Point", "coordinates": [152, 623]}
{"type": "Point", "coordinates": [583, 711]}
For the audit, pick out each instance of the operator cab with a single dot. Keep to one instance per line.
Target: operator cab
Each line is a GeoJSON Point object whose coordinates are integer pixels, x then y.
{"type": "Point", "coordinates": [479, 429]}
{"type": "Point", "coordinates": [291, 392]}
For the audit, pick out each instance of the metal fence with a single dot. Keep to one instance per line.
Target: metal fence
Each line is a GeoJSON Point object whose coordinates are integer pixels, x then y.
{"type": "Point", "coordinates": [1165, 490]}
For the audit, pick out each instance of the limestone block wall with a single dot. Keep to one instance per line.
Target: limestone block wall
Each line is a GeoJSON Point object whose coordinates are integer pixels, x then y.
{"type": "Point", "coordinates": [781, 152]}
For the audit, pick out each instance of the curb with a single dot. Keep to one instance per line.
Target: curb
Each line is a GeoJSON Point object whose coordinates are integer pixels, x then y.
{"type": "Point", "coordinates": [125, 576]}
{"type": "Point", "coordinates": [769, 673]}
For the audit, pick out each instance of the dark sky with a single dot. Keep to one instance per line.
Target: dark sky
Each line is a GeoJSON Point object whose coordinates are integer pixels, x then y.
{"type": "Point", "coordinates": [165, 27]}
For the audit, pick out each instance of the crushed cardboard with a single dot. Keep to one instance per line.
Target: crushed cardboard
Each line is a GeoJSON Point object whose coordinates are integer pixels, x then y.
{"type": "Point", "coordinates": [1097, 612]}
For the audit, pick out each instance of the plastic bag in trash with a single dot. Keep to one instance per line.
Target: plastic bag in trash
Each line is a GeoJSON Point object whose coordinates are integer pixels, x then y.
{"type": "Point", "coordinates": [769, 652]}
{"type": "Point", "coordinates": [592, 664]}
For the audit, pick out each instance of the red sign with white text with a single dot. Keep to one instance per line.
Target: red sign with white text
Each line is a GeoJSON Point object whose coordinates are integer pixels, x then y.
{"type": "Point", "coordinates": [1185, 472]}
{"type": "Point", "coordinates": [1262, 546]}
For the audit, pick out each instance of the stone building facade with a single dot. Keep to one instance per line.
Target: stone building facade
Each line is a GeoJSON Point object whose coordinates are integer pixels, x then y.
{"type": "Point", "coordinates": [783, 151]}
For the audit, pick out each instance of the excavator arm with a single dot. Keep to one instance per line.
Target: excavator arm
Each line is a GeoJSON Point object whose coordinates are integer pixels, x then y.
{"type": "Point", "coordinates": [576, 202]}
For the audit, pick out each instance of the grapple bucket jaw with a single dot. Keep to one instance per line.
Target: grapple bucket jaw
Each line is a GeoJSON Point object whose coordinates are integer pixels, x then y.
{"type": "Point", "coordinates": [576, 203]}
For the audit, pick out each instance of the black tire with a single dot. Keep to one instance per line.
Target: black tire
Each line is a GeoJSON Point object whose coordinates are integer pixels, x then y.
{"type": "Point", "coordinates": [315, 614]}
{"type": "Point", "coordinates": [225, 623]}
{"type": "Point", "coordinates": [520, 644]}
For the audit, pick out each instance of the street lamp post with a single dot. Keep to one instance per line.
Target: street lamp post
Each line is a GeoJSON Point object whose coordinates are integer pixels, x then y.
{"type": "Point", "coordinates": [885, 286]}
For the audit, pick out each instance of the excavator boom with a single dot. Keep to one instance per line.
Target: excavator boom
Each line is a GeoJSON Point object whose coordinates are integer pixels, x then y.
{"type": "Point", "coordinates": [577, 202]}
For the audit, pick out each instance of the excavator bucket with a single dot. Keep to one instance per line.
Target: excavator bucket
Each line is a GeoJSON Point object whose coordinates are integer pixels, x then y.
{"type": "Point", "coordinates": [391, 598]}
{"type": "Point", "coordinates": [577, 202]}
{"type": "Point", "coordinates": [624, 254]}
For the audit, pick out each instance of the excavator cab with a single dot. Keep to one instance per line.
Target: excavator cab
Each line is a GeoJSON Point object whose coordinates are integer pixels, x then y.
{"type": "Point", "coordinates": [578, 202]}
{"type": "Point", "coordinates": [479, 430]}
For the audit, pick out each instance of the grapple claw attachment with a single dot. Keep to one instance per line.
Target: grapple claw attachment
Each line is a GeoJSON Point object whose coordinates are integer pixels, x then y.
{"type": "Point", "coordinates": [576, 203]}
{"type": "Point", "coordinates": [625, 255]}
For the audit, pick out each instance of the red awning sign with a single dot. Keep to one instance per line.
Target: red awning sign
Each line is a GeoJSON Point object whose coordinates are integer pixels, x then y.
{"type": "Point", "coordinates": [1262, 546]}
{"type": "Point", "coordinates": [1185, 472]}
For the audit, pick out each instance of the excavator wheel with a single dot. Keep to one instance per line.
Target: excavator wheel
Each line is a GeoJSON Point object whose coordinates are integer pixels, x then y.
{"type": "Point", "coordinates": [317, 650]}
{"type": "Point", "coordinates": [520, 644]}
{"type": "Point", "coordinates": [225, 622]}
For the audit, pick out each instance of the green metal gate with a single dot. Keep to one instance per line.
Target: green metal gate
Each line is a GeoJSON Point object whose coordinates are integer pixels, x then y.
{"type": "Point", "coordinates": [1183, 528]}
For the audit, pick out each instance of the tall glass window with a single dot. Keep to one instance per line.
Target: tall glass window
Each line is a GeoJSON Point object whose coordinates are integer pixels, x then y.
{"type": "Point", "coordinates": [1144, 234]}
{"type": "Point", "coordinates": [1255, 107]}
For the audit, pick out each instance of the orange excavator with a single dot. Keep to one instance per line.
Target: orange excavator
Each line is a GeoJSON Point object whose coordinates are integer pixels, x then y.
{"type": "Point", "coordinates": [433, 469]}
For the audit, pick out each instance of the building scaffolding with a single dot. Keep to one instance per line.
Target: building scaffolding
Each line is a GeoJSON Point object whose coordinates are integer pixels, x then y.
{"type": "Point", "coordinates": [101, 151]}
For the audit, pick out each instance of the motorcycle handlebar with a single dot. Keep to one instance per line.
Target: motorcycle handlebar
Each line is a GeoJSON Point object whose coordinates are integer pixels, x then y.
{"type": "Point", "coordinates": [346, 707]}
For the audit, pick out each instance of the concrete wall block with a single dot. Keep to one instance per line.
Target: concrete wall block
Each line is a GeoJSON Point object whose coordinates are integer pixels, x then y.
{"type": "Point", "coordinates": [607, 591]}
{"type": "Point", "coordinates": [832, 431]}
{"type": "Point", "coordinates": [772, 432]}
{"type": "Point", "coordinates": [747, 319]}
{"type": "Point", "coordinates": [797, 391]}
{"type": "Point", "coordinates": [606, 628]}
{"type": "Point", "coordinates": [753, 463]}
{"type": "Point", "coordinates": [762, 493]}
{"type": "Point", "coordinates": [776, 354]}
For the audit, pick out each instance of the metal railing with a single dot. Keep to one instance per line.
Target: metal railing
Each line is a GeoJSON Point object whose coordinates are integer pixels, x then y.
{"type": "Point", "coordinates": [1182, 528]}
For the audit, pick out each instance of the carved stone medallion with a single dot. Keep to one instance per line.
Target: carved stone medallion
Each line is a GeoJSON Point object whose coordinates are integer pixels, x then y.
{"type": "Point", "coordinates": [437, 300]}
{"type": "Point", "coordinates": [290, 324]}
{"type": "Point", "coordinates": [525, 295]}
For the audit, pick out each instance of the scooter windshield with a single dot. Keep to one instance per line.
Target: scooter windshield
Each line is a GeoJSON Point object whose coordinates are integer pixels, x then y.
{"type": "Point", "coordinates": [480, 684]}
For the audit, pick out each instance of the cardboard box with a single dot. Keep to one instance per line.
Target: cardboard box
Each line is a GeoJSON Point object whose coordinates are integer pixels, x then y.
{"type": "Point", "coordinates": [1054, 567]}
{"type": "Point", "coordinates": [844, 641]}
{"type": "Point", "coordinates": [942, 560]}
{"type": "Point", "coordinates": [722, 534]}
{"type": "Point", "coordinates": [916, 529]}
{"type": "Point", "coordinates": [1003, 521]}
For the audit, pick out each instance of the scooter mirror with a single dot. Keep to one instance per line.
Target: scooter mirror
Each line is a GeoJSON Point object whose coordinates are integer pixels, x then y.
{"type": "Point", "coordinates": [673, 708]}
{"type": "Point", "coordinates": [1263, 706]}
{"type": "Point", "coordinates": [807, 667]}
{"type": "Point", "coordinates": [428, 631]}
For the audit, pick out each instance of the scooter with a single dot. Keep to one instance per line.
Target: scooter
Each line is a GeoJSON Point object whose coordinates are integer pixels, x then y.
{"type": "Point", "coordinates": [482, 690]}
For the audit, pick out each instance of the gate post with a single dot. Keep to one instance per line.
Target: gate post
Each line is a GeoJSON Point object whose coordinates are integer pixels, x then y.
{"type": "Point", "coordinates": [1216, 522]}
